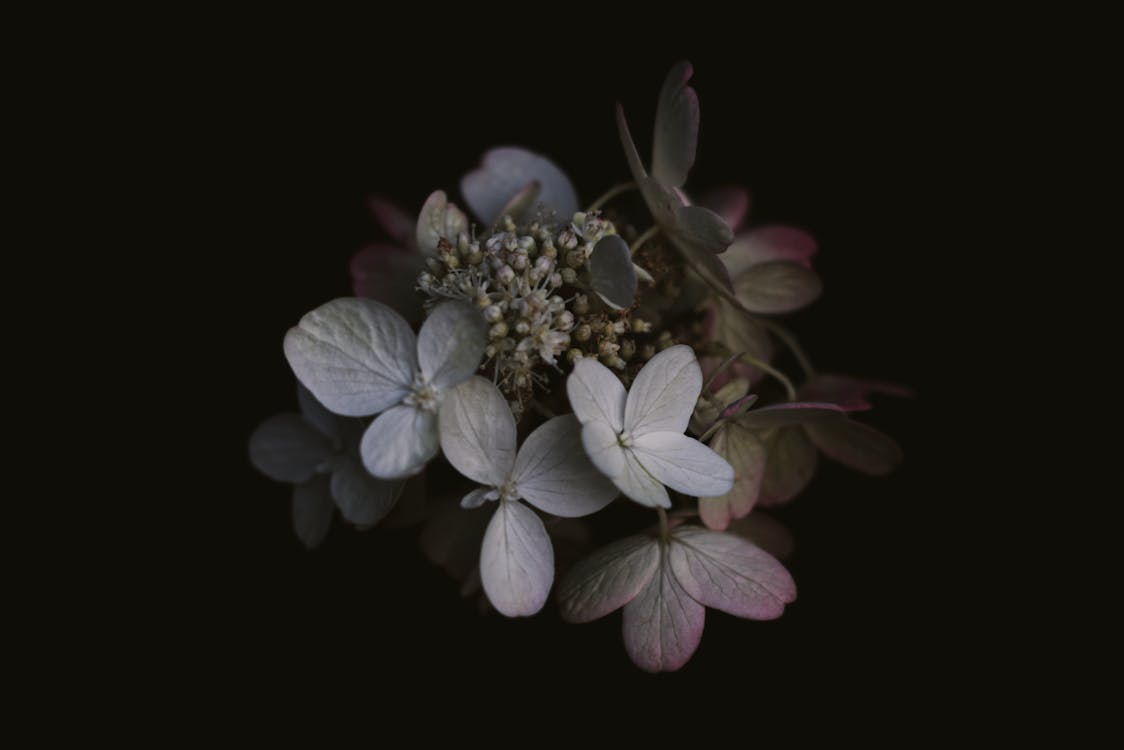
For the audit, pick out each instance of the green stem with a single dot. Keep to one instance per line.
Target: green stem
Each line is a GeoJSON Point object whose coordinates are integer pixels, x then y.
{"type": "Point", "coordinates": [780, 376]}
{"type": "Point", "coordinates": [665, 535]}
{"type": "Point", "coordinates": [649, 234]}
{"type": "Point", "coordinates": [794, 346]}
{"type": "Point", "coordinates": [611, 193]}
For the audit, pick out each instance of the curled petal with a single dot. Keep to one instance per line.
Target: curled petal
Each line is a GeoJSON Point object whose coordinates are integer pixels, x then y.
{"type": "Point", "coordinates": [439, 220]}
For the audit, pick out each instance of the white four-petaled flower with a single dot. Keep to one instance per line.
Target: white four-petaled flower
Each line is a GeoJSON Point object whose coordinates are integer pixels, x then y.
{"type": "Point", "coordinates": [636, 438]}
{"type": "Point", "coordinates": [550, 472]}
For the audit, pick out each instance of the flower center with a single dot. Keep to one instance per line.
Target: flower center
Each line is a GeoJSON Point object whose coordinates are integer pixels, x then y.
{"type": "Point", "coordinates": [508, 491]}
{"type": "Point", "coordinates": [424, 396]}
{"type": "Point", "coordinates": [625, 440]}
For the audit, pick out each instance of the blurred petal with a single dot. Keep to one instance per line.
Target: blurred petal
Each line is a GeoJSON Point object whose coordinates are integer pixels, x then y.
{"type": "Point", "coordinates": [362, 499]}
{"type": "Point", "coordinates": [608, 579]}
{"type": "Point", "coordinates": [400, 442]}
{"type": "Point", "coordinates": [602, 446]}
{"type": "Point", "coordinates": [451, 540]}
{"type": "Point", "coordinates": [477, 497]}
{"type": "Point", "coordinates": [357, 356]}
{"type": "Point", "coordinates": [851, 394]}
{"type": "Point", "coordinates": [739, 332]}
{"type": "Point", "coordinates": [677, 127]}
{"type": "Point", "coordinates": [324, 421]}
{"type": "Point", "coordinates": [731, 203]}
{"type": "Point", "coordinates": [553, 472]}
{"type": "Point", "coordinates": [516, 561]}
{"type": "Point", "coordinates": [634, 164]}
{"type": "Point", "coordinates": [611, 269]}
{"type": "Point", "coordinates": [775, 243]}
{"type": "Point", "coordinates": [856, 445]}
{"type": "Point", "coordinates": [663, 625]}
{"type": "Point", "coordinates": [312, 510]}
{"type": "Point", "coordinates": [507, 171]}
{"type": "Point", "coordinates": [703, 229]}
{"type": "Point", "coordinates": [767, 533]}
{"type": "Point", "coordinates": [596, 394]}
{"type": "Point", "coordinates": [746, 454]}
{"type": "Point", "coordinates": [730, 574]}
{"type": "Point", "coordinates": [478, 432]}
{"type": "Point", "coordinates": [399, 225]}
{"type": "Point", "coordinates": [288, 448]}
{"type": "Point", "coordinates": [451, 343]}
{"type": "Point", "coordinates": [788, 414]}
{"type": "Point", "coordinates": [790, 463]}
{"type": "Point", "coordinates": [683, 464]}
{"type": "Point", "coordinates": [439, 220]}
{"type": "Point", "coordinates": [387, 273]}
{"type": "Point", "coordinates": [663, 395]}
{"type": "Point", "coordinates": [777, 287]}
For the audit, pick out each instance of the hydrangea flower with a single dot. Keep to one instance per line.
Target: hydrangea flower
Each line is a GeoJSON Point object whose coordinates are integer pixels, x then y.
{"type": "Point", "coordinates": [359, 357]}
{"type": "Point", "coordinates": [665, 583]}
{"type": "Point", "coordinates": [549, 471]}
{"type": "Point", "coordinates": [317, 452]}
{"type": "Point", "coordinates": [636, 438]}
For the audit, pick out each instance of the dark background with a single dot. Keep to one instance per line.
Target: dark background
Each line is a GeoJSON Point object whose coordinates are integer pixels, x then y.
{"type": "Point", "coordinates": [849, 143]}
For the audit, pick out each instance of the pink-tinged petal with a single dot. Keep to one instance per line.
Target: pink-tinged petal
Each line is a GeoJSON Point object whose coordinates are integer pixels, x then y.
{"type": "Point", "coordinates": [312, 511]}
{"type": "Point", "coordinates": [608, 579]}
{"type": "Point", "coordinates": [398, 224]}
{"type": "Point", "coordinates": [663, 625]}
{"type": "Point", "coordinates": [778, 243]}
{"type": "Point", "coordinates": [287, 448]}
{"type": "Point", "coordinates": [731, 203]}
{"type": "Point", "coordinates": [790, 464]}
{"type": "Point", "coordinates": [789, 414]}
{"type": "Point", "coordinates": [663, 395]}
{"type": "Point", "coordinates": [851, 394]}
{"type": "Point", "coordinates": [683, 464]}
{"type": "Point", "coordinates": [596, 394]}
{"type": "Point", "coordinates": [746, 454]}
{"type": "Point", "coordinates": [767, 533]}
{"type": "Point", "coordinates": [856, 445]}
{"type": "Point", "coordinates": [730, 574]}
{"type": "Point", "coordinates": [677, 127]}
{"type": "Point", "coordinates": [506, 172]}
{"type": "Point", "coordinates": [777, 287]}
{"type": "Point", "coordinates": [516, 561]}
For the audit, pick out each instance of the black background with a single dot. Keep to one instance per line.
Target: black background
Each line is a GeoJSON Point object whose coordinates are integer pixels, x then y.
{"type": "Point", "coordinates": [849, 143]}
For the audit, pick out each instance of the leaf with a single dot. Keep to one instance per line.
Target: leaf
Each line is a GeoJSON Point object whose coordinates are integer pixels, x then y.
{"type": "Point", "coordinates": [790, 463]}
{"type": "Point", "coordinates": [595, 393]}
{"type": "Point", "coordinates": [400, 442]}
{"type": "Point", "coordinates": [663, 625]}
{"type": "Point", "coordinates": [362, 499]}
{"type": "Point", "coordinates": [677, 127]}
{"type": "Point", "coordinates": [778, 287]}
{"type": "Point", "coordinates": [663, 395]}
{"type": "Point", "coordinates": [608, 579]}
{"type": "Point", "coordinates": [505, 172]}
{"type": "Point", "coordinates": [357, 356]}
{"type": "Point", "coordinates": [516, 561]}
{"type": "Point", "coordinates": [612, 272]}
{"type": "Point", "coordinates": [789, 414]}
{"type": "Point", "coordinates": [288, 448]}
{"type": "Point", "coordinates": [730, 574]}
{"type": "Point", "coordinates": [683, 464]}
{"type": "Point", "coordinates": [312, 511]}
{"type": "Point", "coordinates": [622, 468]}
{"type": "Point", "coordinates": [477, 432]}
{"type": "Point", "coordinates": [451, 343]}
{"type": "Point", "coordinates": [553, 473]}
{"type": "Point", "coordinates": [746, 454]}
{"type": "Point", "coordinates": [856, 445]}
{"type": "Point", "coordinates": [439, 220]}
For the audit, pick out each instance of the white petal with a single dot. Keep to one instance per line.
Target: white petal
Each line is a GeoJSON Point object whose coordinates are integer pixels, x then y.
{"type": "Point", "coordinates": [357, 356]}
{"type": "Point", "coordinates": [596, 394]}
{"type": "Point", "coordinates": [684, 464]}
{"type": "Point", "coordinates": [663, 396]}
{"type": "Point", "coordinates": [612, 274]}
{"type": "Point", "coordinates": [677, 128]}
{"type": "Point", "coordinates": [478, 432]}
{"type": "Point", "coordinates": [746, 454]}
{"type": "Point", "coordinates": [790, 464]}
{"type": "Point", "coordinates": [608, 579]}
{"type": "Point", "coordinates": [663, 625]}
{"type": "Point", "coordinates": [312, 511]}
{"type": "Point", "coordinates": [451, 343]}
{"type": "Point", "coordinates": [729, 573]}
{"type": "Point", "coordinates": [477, 497]}
{"type": "Point", "coordinates": [778, 287]}
{"type": "Point", "coordinates": [507, 171]}
{"type": "Point", "coordinates": [439, 220]}
{"type": "Point", "coordinates": [516, 561]}
{"type": "Point", "coordinates": [789, 414]}
{"type": "Point", "coordinates": [315, 412]}
{"type": "Point", "coordinates": [362, 499]}
{"type": "Point", "coordinates": [288, 448]}
{"type": "Point", "coordinates": [553, 472]}
{"type": "Point", "coordinates": [400, 442]}
{"type": "Point", "coordinates": [767, 244]}
{"type": "Point", "coordinates": [621, 467]}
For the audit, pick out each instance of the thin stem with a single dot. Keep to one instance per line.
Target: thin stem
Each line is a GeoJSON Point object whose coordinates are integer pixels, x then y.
{"type": "Point", "coordinates": [611, 193]}
{"type": "Point", "coordinates": [665, 535]}
{"type": "Point", "coordinates": [780, 376]}
{"type": "Point", "coordinates": [794, 346]}
{"type": "Point", "coordinates": [649, 234]}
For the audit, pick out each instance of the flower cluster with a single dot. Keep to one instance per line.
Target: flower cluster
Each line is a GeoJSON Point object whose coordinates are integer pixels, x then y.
{"type": "Point", "coordinates": [570, 355]}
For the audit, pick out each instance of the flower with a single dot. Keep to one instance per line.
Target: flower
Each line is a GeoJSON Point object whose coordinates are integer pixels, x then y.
{"type": "Point", "coordinates": [318, 453]}
{"type": "Point", "coordinates": [358, 357]}
{"type": "Point", "coordinates": [636, 439]}
{"type": "Point", "coordinates": [549, 471]}
{"type": "Point", "coordinates": [665, 586]}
